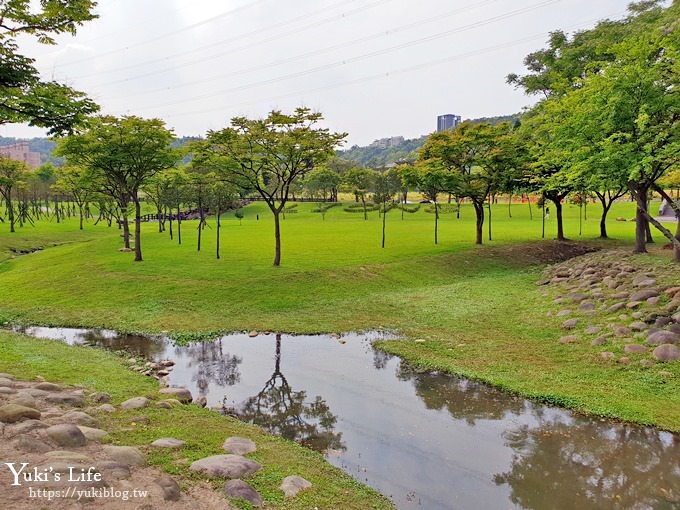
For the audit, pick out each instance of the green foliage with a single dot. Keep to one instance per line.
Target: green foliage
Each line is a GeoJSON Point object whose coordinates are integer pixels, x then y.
{"type": "Point", "coordinates": [408, 208]}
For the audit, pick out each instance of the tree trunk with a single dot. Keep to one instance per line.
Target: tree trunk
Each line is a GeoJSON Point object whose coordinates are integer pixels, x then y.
{"type": "Point", "coordinates": [479, 225]}
{"type": "Point", "coordinates": [138, 229]}
{"type": "Point", "coordinates": [640, 195]}
{"type": "Point", "coordinates": [605, 210]}
{"type": "Point", "coordinates": [10, 212]}
{"type": "Point", "coordinates": [490, 200]}
{"type": "Point", "coordinates": [560, 222]}
{"type": "Point", "coordinates": [363, 202]}
{"type": "Point", "coordinates": [218, 232]}
{"type": "Point", "coordinates": [80, 213]}
{"type": "Point", "coordinates": [509, 205]}
{"type": "Point", "coordinates": [384, 215]}
{"type": "Point", "coordinates": [436, 220]}
{"type": "Point", "coordinates": [277, 237]}
{"type": "Point", "coordinates": [179, 226]}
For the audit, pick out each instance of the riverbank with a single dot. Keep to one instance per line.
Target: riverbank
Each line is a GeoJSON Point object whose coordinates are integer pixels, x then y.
{"type": "Point", "coordinates": [84, 374]}
{"type": "Point", "coordinates": [478, 309]}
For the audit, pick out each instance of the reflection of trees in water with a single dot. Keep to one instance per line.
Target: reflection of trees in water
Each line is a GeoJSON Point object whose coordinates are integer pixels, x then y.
{"type": "Point", "coordinates": [590, 464]}
{"type": "Point", "coordinates": [380, 358]}
{"type": "Point", "coordinates": [146, 346]}
{"type": "Point", "coordinates": [463, 399]}
{"type": "Point", "coordinates": [283, 411]}
{"type": "Point", "coordinates": [210, 364]}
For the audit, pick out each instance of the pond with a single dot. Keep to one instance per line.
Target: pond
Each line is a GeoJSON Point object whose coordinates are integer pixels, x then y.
{"type": "Point", "coordinates": [426, 440]}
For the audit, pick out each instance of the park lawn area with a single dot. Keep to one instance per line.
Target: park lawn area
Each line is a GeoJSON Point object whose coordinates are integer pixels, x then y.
{"type": "Point", "coordinates": [99, 370]}
{"type": "Point", "coordinates": [477, 307]}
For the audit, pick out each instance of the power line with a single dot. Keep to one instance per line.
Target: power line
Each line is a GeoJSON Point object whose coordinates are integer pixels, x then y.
{"type": "Point", "coordinates": [231, 74]}
{"type": "Point", "coordinates": [364, 56]}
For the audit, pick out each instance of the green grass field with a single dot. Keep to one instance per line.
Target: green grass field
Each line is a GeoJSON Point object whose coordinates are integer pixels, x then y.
{"type": "Point", "coordinates": [477, 307]}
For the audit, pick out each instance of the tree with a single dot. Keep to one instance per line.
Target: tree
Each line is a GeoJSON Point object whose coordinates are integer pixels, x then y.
{"type": "Point", "coordinates": [322, 182]}
{"type": "Point", "coordinates": [431, 179]}
{"type": "Point", "coordinates": [121, 154]}
{"type": "Point", "coordinates": [387, 184]}
{"type": "Point", "coordinates": [24, 97]}
{"type": "Point", "coordinates": [11, 174]}
{"type": "Point", "coordinates": [359, 181]}
{"type": "Point", "coordinates": [74, 182]}
{"type": "Point", "coordinates": [270, 155]}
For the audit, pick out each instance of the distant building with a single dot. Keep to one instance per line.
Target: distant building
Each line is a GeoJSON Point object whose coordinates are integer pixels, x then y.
{"type": "Point", "coordinates": [386, 143]}
{"type": "Point", "coordinates": [20, 152]}
{"type": "Point", "coordinates": [448, 121]}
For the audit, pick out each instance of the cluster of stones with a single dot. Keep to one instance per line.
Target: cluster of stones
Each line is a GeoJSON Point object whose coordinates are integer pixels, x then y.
{"type": "Point", "coordinates": [55, 430]}
{"type": "Point", "coordinates": [158, 370]}
{"type": "Point", "coordinates": [628, 312]}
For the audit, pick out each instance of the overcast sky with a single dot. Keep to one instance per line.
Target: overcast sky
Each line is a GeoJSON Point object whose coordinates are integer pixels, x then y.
{"type": "Point", "coordinates": [374, 68]}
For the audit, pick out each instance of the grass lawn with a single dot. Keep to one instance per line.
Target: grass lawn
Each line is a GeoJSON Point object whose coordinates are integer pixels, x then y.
{"type": "Point", "coordinates": [478, 308]}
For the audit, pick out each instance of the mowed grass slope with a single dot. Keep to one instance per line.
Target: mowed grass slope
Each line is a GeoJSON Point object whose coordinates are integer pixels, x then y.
{"type": "Point", "coordinates": [478, 308]}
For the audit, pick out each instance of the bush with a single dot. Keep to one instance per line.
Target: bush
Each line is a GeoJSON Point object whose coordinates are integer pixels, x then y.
{"type": "Point", "coordinates": [409, 208]}
{"type": "Point", "coordinates": [443, 208]}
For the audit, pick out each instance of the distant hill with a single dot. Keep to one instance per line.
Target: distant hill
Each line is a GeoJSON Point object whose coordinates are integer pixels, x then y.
{"type": "Point", "coordinates": [374, 156]}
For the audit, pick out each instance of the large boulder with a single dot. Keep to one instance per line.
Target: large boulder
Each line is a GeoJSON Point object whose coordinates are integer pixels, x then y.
{"type": "Point", "coordinates": [227, 466]}
{"type": "Point", "coordinates": [135, 403]}
{"type": "Point", "coordinates": [666, 352]}
{"type": "Point", "coordinates": [10, 413]}
{"type": "Point", "coordinates": [663, 337]}
{"type": "Point", "coordinates": [240, 489]}
{"type": "Point", "coordinates": [291, 485]}
{"type": "Point", "coordinates": [127, 455]}
{"type": "Point", "coordinates": [239, 445]}
{"type": "Point", "coordinates": [66, 435]}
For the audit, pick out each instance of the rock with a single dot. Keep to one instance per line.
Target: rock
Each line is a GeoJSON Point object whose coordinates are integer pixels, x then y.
{"type": "Point", "coordinates": [113, 469]}
{"type": "Point", "coordinates": [66, 399]}
{"type": "Point", "coordinates": [6, 390]}
{"type": "Point", "coordinates": [141, 420]}
{"type": "Point", "coordinates": [607, 355]}
{"type": "Point", "coordinates": [107, 408]}
{"type": "Point", "coordinates": [671, 292]}
{"type": "Point", "coordinates": [181, 394]}
{"type": "Point", "coordinates": [6, 383]}
{"type": "Point", "coordinates": [646, 363]}
{"type": "Point", "coordinates": [66, 434]}
{"type": "Point", "coordinates": [201, 401]}
{"type": "Point", "coordinates": [569, 339]}
{"type": "Point", "coordinates": [240, 489]}
{"type": "Point", "coordinates": [168, 442]}
{"type": "Point", "coordinates": [24, 400]}
{"type": "Point", "coordinates": [26, 426]}
{"type": "Point", "coordinates": [170, 487]}
{"type": "Point", "coordinates": [78, 418]}
{"type": "Point", "coordinates": [621, 331]}
{"type": "Point", "coordinates": [635, 348]}
{"type": "Point", "coordinates": [166, 363]}
{"type": "Point", "coordinates": [676, 317]}
{"type": "Point", "coordinates": [229, 466]}
{"type": "Point", "coordinates": [128, 455]}
{"type": "Point", "coordinates": [47, 386]}
{"type": "Point", "coordinates": [93, 434]}
{"type": "Point", "coordinates": [252, 334]}
{"type": "Point", "coordinates": [577, 297]}
{"type": "Point", "coordinates": [666, 352]}
{"type": "Point", "coordinates": [638, 326]}
{"type": "Point", "coordinates": [663, 337]}
{"type": "Point", "coordinates": [5, 375]}
{"type": "Point", "coordinates": [291, 485]}
{"type": "Point", "coordinates": [624, 361]}
{"type": "Point", "coordinates": [570, 324]}
{"type": "Point", "coordinates": [135, 403]}
{"type": "Point", "coordinates": [239, 445]}
{"type": "Point", "coordinates": [662, 321]}
{"type": "Point", "coordinates": [674, 328]}
{"type": "Point", "coordinates": [600, 340]}
{"type": "Point", "coordinates": [633, 304]}
{"type": "Point", "coordinates": [563, 313]}
{"type": "Point", "coordinates": [68, 456]}
{"type": "Point", "coordinates": [100, 397]}
{"type": "Point", "coordinates": [11, 413]}
{"type": "Point", "coordinates": [637, 315]}
{"type": "Point", "coordinates": [163, 404]}
{"type": "Point", "coordinates": [29, 444]}
{"type": "Point", "coordinates": [586, 306]}
{"type": "Point", "coordinates": [592, 330]}
{"type": "Point", "coordinates": [643, 281]}
{"type": "Point", "coordinates": [643, 295]}
{"type": "Point", "coordinates": [616, 307]}
{"type": "Point", "coordinates": [653, 301]}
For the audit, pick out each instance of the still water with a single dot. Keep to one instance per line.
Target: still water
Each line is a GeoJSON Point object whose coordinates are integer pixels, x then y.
{"type": "Point", "coordinates": [426, 440]}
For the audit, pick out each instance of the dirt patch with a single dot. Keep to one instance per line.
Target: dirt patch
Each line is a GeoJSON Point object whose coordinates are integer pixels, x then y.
{"type": "Point", "coordinates": [540, 252]}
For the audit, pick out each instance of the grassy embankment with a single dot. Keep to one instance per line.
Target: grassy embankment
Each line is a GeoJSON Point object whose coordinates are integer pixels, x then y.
{"type": "Point", "coordinates": [478, 308]}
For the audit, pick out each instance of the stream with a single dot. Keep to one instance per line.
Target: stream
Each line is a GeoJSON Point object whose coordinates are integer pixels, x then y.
{"type": "Point", "coordinates": [426, 440]}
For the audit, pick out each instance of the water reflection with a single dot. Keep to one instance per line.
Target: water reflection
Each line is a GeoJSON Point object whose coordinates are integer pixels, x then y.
{"type": "Point", "coordinates": [285, 412]}
{"type": "Point", "coordinates": [463, 399]}
{"type": "Point", "coordinates": [210, 364]}
{"type": "Point", "coordinates": [566, 463]}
